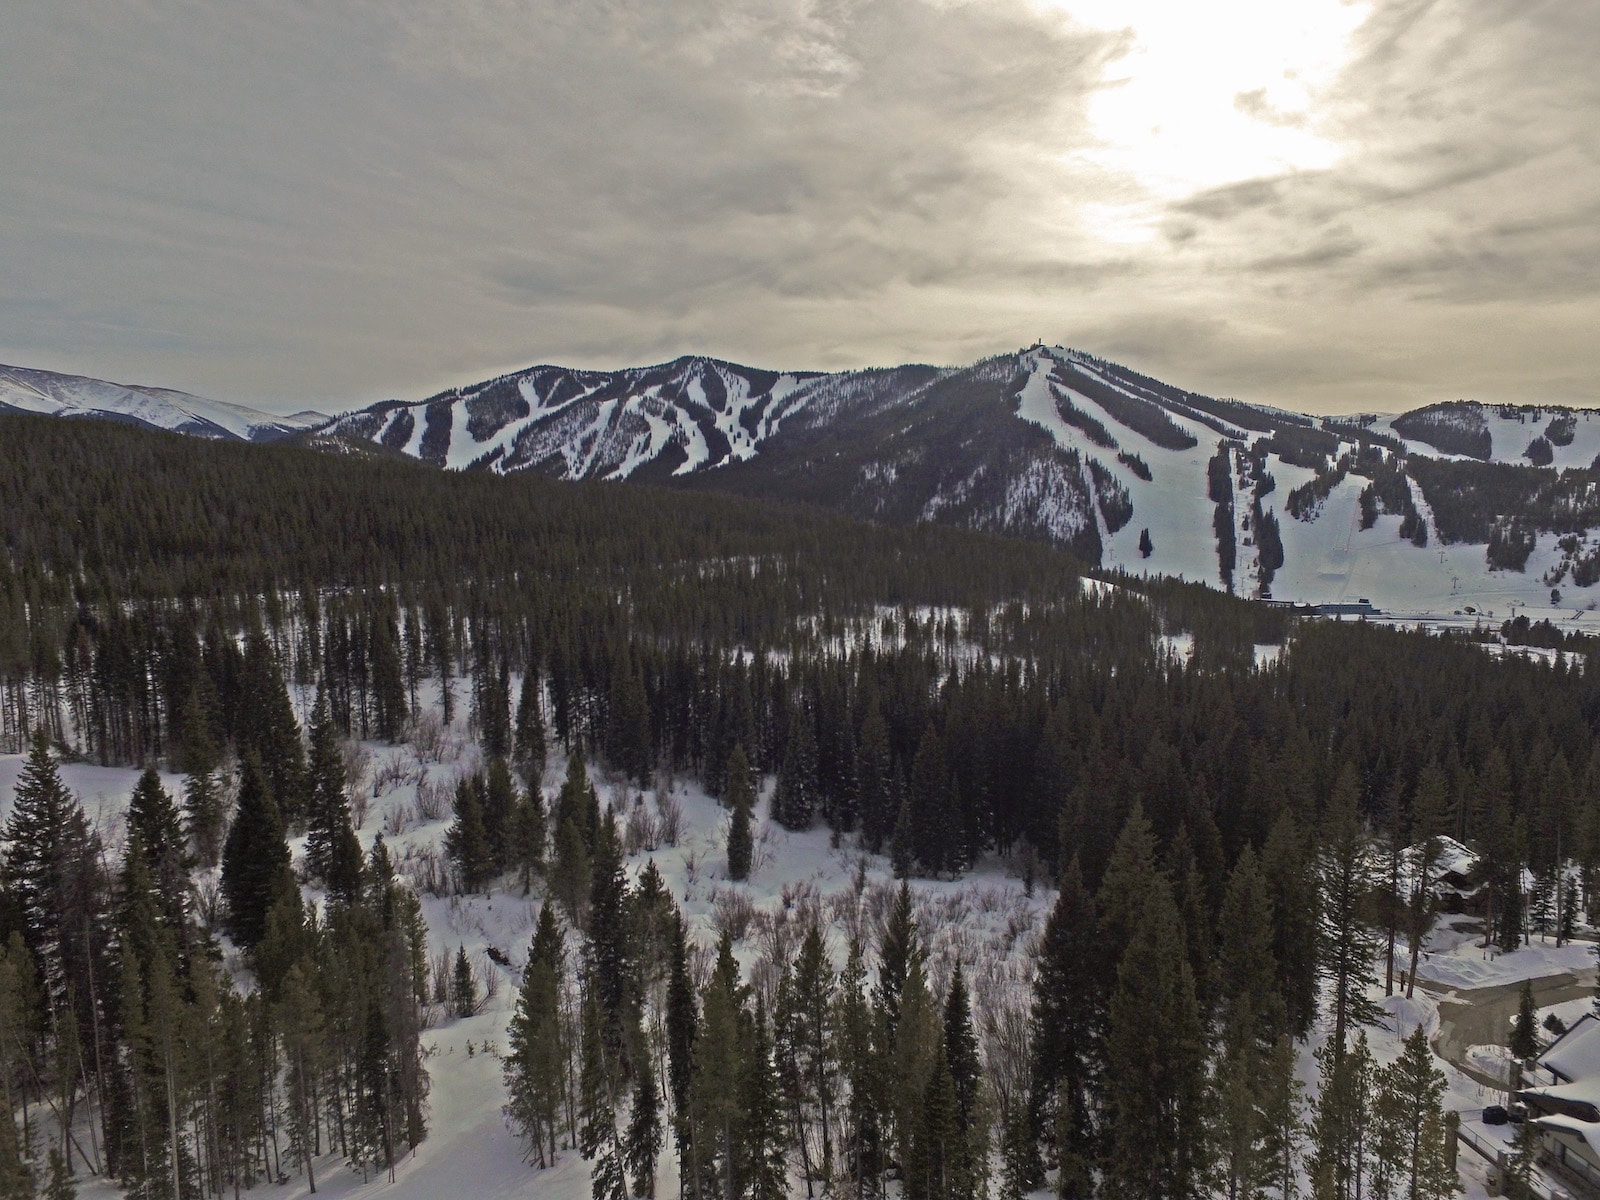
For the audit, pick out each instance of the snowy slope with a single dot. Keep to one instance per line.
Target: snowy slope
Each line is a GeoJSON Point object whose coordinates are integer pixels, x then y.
{"type": "Point", "coordinates": [985, 920]}
{"type": "Point", "coordinates": [48, 393]}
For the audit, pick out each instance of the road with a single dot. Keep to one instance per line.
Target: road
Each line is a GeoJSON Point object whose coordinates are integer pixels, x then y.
{"type": "Point", "coordinates": [1482, 1016]}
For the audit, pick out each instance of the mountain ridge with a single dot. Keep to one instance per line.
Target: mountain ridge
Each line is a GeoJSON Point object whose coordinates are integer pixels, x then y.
{"type": "Point", "coordinates": [1453, 505]}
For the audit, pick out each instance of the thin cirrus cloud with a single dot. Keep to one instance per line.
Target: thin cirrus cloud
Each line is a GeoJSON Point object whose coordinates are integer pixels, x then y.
{"type": "Point", "coordinates": [1333, 204]}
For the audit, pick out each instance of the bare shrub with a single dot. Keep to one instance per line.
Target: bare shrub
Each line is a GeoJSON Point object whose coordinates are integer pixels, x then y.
{"type": "Point", "coordinates": [430, 741]}
{"type": "Point", "coordinates": [391, 773]}
{"type": "Point", "coordinates": [732, 912]}
{"type": "Point", "coordinates": [424, 868]}
{"type": "Point", "coordinates": [435, 798]}
{"type": "Point", "coordinates": [358, 808]}
{"type": "Point", "coordinates": [640, 833]}
{"type": "Point", "coordinates": [691, 866]}
{"type": "Point", "coordinates": [398, 819]}
{"type": "Point", "coordinates": [670, 825]}
{"type": "Point", "coordinates": [357, 766]}
{"type": "Point", "coordinates": [208, 901]}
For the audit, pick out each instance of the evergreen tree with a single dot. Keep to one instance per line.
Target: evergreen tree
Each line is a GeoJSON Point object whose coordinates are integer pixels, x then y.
{"type": "Point", "coordinates": [596, 1117]}
{"type": "Point", "coordinates": [265, 726]}
{"type": "Point", "coordinates": [1283, 1115]}
{"type": "Point", "coordinates": [333, 853]}
{"type": "Point", "coordinates": [255, 860]}
{"type": "Point", "coordinates": [1347, 945]}
{"type": "Point", "coordinates": [153, 821]}
{"type": "Point", "coordinates": [643, 1145]}
{"type": "Point", "coordinates": [1247, 971]}
{"type": "Point", "coordinates": [872, 779]}
{"type": "Point", "coordinates": [536, 1054]}
{"type": "Point", "coordinates": [968, 1172]}
{"type": "Point", "coordinates": [859, 1042]}
{"type": "Point", "coordinates": [1525, 1029]}
{"type": "Point", "coordinates": [608, 955]}
{"type": "Point", "coordinates": [1411, 1118]}
{"type": "Point", "coordinates": [16, 1176]}
{"type": "Point", "coordinates": [935, 824]}
{"type": "Point", "coordinates": [1065, 1020]}
{"type": "Point", "coordinates": [531, 747]}
{"type": "Point", "coordinates": [463, 987]}
{"type": "Point", "coordinates": [932, 1168]}
{"type": "Point", "coordinates": [466, 842]}
{"type": "Point", "coordinates": [898, 952]}
{"type": "Point", "coordinates": [526, 837]}
{"type": "Point", "coordinates": [1291, 887]}
{"type": "Point", "coordinates": [1155, 1064]}
{"type": "Point", "coordinates": [762, 1173]}
{"type": "Point", "coordinates": [1341, 1125]}
{"type": "Point", "coordinates": [740, 799]}
{"type": "Point", "coordinates": [59, 1186]}
{"type": "Point", "coordinates": [795, 802]}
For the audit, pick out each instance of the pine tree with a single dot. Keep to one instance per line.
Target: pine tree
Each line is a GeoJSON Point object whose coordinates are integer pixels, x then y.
{"type": "Point", "coordinates": [969, 1162]}
{"type": "Point", "coordinates": [643, 1145]}
{"type": "Point", "coordinates": [714, 1109]}
{"type": "Point", "coordinates": [572, 872]}
{"type": "Point", "coordinates": [872, 779]}
{"type": "Point", "coordinates": [1155, 1063]}
{"type": "Point", "coordinates": [1247, 972]}
{"type": "Point", "coordinates": [526, 837]}
{"type": "Point", "coordinates": [1347, 945]}
{"type": "Point", "coordinates": [1412, 1119]}
{"type": "Point", "coordinates": [795, 802]}
{"type": "Point", "coordinates": [255, 859]}
{"type": "Point", "coordinates": [1283, 1115]}
{"type": "Point", "coordinates": [813, 1060]}
{"type": "Point", "coordinates": [762, 1172]}
{"type": "Point", "coordinates": [1291, 887]}
{"type": "Point", "coordinates": [59, 1186]}
{"type": "Point", "coordinates": [1340, 1126]}
{"type": "Point", "coordinates": [16, 1176]}
{"type": "Point", "coordinates": [596, 1117]}
{"type": "Point", "coordinates": [531, 747]}
{"type": "Point", "coordinates": [536, 1054]}
{"type": "Point", "coordinates": [1065, 1020]}
{"type": "Point", "coordinates": [932, 1165]}
{"type": "Point", "coordinates": [898, 952]}
{"type": "Point", "coordinates": [918, 1037]}
{"type": "Point", "coordinates": [266, 727]}
{"type": "Point", "coordinates": [153, 821]}
{"type": "Point", "coordinates": [859, 1044]}
{"type": "Point", "coordinates": [463, 987]}
{"type": "Point", "coordinates": [1525, 1029]}
{"type": "Point", "coordinates": [740, 799]}
{"type": "Point", "coordinates": [466, 842]}
{"type": "Point", "coordinates": [935, 826]}
{"type": "Point", "coordinates": [333, 853]}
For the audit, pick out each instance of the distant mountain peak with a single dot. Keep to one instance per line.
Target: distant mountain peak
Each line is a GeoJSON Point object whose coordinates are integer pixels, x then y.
{"type": "Point", "coordinates": [52, 393]}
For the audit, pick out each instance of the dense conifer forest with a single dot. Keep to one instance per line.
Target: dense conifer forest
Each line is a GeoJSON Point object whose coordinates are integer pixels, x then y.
{"type": "Point", "coordinates": [1223, 831]}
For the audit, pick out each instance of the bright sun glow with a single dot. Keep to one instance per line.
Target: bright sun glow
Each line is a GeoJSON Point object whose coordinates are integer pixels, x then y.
{"type": "Point", "coordinates": [1209, 95]}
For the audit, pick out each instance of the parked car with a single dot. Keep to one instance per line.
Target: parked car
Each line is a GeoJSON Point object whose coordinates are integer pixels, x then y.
{"type": "Point", "coordinates": [1496, 1114]}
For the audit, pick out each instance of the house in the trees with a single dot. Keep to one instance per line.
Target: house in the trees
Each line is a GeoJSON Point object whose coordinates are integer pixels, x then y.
{"type": "Point", "coordinates": [1566, 1110]}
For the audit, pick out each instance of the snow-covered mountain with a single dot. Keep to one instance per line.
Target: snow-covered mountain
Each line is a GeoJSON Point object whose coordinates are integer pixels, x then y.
{"type": "Point", "coordinates": [26, 390]}
{"type": "Point", "coordinates": [1058, 444]}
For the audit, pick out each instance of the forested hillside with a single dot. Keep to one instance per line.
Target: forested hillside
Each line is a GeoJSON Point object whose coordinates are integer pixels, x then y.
{"type": "Point", "coordinates": [1214, 797]}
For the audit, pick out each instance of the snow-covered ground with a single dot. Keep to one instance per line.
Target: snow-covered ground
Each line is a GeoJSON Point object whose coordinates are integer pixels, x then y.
{"type": "Point", "coordinates": [986, 920]}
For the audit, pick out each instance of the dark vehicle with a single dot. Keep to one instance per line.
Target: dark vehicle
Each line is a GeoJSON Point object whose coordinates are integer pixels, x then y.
{"type": "Point", "coordinates": [1495, 1114]}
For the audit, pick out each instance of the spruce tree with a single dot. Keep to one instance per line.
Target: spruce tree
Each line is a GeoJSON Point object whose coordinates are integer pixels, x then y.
{"type": "Point", "coordinates": [16, 1176]}
{"type": "Point", "coordinates": [1347, 945]}
{"type": "Point", "coordinates": [1155, 1063]}
{"type": "Point", "coordinates": [466, 842]}
{"type": "Point", "coordinates": [526, 837]}
{"type": "Point", "coordinates": [795, 801]}
{"type": "Point", "coordinates": [531, 747]}
{"type": "Point", "coordinates": [898, 952]}
{"type": "Point", "coordinates": [1525, 1029]}
{"type": "Point", "coordinates": [1291, 886]}
{"type": "Point", "coordinates": [968, 1172]}
{"type": "Point", "coordinates": [762, 1172]}
{"type": "Point", "coordinates": [333, 852]}
{"type": "Point", "coordinates": [1065, 1021]}
{"type": "Point", "coordinates": [740, 799]}
{"type": "Point", "coordinates": [872, 779]}
{"type": "Point", "coordinates": [643, 1144]}
{"type": "Point", "coordinates": [1283, 1114]}
{"type": "Point", "coordinates": [536, 1054]}
{"type": "Point", "coordinates": [1341, 1123]}
{"type": "Point", "coordinates": [153, 821]}
{"type": "Point", "coordinates": [463, 987]}
{"type": "Point", "coordinates": [255, 859]}
{"type": "Point", "coordinates": [266, 727]}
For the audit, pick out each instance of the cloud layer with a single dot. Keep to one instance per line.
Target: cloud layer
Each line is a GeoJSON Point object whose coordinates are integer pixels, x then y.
{"type": "Point", "coordinates": [297, 204]}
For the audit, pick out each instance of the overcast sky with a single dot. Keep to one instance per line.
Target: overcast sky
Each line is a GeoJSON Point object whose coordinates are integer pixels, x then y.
{"type": "Point", "coordinates": [1324, 204]}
